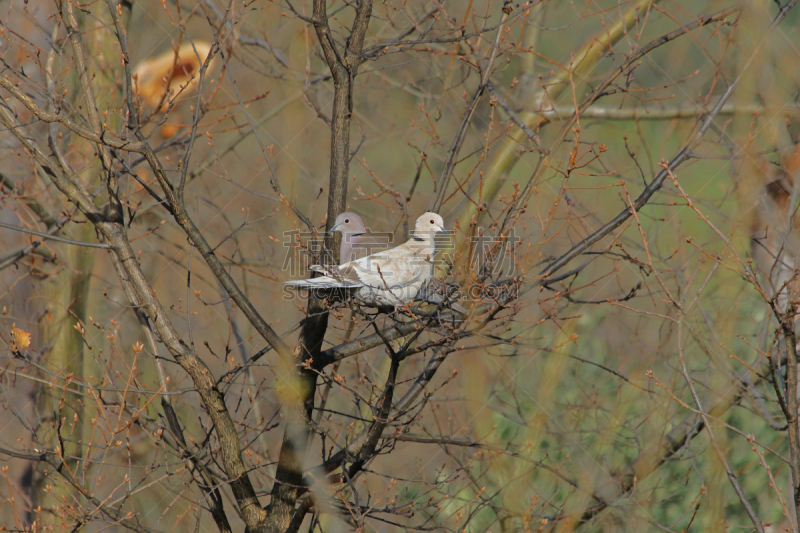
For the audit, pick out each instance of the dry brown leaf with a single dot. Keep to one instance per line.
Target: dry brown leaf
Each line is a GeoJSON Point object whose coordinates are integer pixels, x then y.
{"type": "Point", "coordinates": [22, 339]}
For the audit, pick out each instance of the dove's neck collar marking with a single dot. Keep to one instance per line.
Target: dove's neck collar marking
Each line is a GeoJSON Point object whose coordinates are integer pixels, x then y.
{"type": "Point", "coordinates": [425, 237]}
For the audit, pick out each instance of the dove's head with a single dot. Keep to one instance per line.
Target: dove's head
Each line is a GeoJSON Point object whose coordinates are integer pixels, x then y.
{"type": "Point", "coordinates": [349, 223]}
{"type": "Point", "coordinates": [428, 225]}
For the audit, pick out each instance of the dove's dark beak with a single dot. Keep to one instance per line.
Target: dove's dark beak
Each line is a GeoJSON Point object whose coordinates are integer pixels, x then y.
{"type": "Point", "coordinates": [442, 229]}
{"type": "Point", "coordinates": [335, 228]}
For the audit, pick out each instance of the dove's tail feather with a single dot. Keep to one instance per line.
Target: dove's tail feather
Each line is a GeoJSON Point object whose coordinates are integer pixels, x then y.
{"type": "Point", "coordinates": [323, 282]}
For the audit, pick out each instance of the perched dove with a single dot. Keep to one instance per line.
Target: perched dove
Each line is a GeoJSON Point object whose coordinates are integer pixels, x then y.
{"type": "Point", "coordinates": [357, 242]}
{"type": "Point", "coordinates": [390, 277]}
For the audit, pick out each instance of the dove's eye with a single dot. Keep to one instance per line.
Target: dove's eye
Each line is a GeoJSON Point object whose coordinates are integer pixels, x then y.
{"type": "Point", "coordinates": [347, 221]}
{"type": "Point", "coordinates": [432, 221]}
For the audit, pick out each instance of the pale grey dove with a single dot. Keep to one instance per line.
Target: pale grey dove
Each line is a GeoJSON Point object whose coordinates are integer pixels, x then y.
{"type": "Point", "coordinates": [358, 242]}
{"type": "Point", "coordinates": [390, 277]}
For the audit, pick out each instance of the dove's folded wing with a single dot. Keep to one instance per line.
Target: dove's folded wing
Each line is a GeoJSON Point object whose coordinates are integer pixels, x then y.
{"type": "Point", "coordinates": [322, 282]}
{"type": "Point", "coordinates": [390, 269]}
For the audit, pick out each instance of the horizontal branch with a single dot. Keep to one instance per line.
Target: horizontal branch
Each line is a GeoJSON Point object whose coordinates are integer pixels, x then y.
{"type": "Point", "coordinates": [346, 349]}
{"type": "Point", "coordinates": [666, 113]}
{"type": "Point", "coordinates": [53, 237]}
